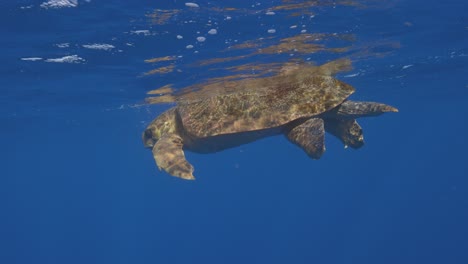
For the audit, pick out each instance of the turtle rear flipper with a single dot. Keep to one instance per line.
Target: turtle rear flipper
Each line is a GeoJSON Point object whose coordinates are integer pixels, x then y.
{"type": "Point", "coordinates": [310, 136]}
{"type": "Point", "coordinates": [348, 131]}
{"type": "Point", "coordinates": [353, 109]}
{"type": "Point", "coordinates": [169, 156]}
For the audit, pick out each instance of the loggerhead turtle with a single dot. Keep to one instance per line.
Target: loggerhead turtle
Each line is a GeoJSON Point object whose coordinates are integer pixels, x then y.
{"type": "Point", "coordinates": [300, 103]}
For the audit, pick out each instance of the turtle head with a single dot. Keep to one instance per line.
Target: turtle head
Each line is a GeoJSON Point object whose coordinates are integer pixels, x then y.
{"type": "Point", "coordinates": [162, 125]}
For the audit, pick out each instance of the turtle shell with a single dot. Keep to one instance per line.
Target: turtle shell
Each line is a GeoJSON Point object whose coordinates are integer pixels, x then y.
{"type": "Point", "coordinates": [262, 103]}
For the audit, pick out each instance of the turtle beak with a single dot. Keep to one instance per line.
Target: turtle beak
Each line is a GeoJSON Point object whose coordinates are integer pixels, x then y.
{"type": "Point", "coordinates": [148, 144]}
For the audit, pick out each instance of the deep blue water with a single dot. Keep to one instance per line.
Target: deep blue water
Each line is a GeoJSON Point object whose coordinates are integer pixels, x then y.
{"type": "Point", "coordinates": [77, 186]}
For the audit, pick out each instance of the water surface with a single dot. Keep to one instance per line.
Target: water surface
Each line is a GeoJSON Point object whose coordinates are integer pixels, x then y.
{"type": "Point", "coordinates": [77, 186]}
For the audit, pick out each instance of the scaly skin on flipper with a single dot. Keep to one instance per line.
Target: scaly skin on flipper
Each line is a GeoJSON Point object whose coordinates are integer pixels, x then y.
{"type": "Point", "coordinates": [310, 136]}
{"type": "Point", "coordinates": [343, 123]}
{"type": "Point", "coordinates": [164, 135]}
{"type": "Point", "coordinates": [352, 109]}
{"type": "Point", "coordinates": [169, 156]}
{"type": "Point", "coordinates": [348, 131]}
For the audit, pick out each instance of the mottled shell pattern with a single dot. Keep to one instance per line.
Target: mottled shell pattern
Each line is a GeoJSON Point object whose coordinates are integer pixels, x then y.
{"type": "Point", "coordinates": [263, 103]}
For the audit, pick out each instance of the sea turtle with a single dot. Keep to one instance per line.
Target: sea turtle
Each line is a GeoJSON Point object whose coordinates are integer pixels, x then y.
{"type": "Point", "coordinates": [299, 102]}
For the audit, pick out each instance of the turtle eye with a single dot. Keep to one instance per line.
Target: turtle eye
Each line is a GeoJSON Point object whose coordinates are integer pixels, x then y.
{"type": "Point", "coordinates": [148, 139]}
{"type": "Point", "coordinates": [148, 133]}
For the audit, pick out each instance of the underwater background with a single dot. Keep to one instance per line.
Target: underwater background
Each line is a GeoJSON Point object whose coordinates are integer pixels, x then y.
{"type": "Point", "coordinates": [77, 185]}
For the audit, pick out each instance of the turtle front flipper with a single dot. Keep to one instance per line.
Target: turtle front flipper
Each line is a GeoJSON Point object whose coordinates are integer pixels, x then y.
{"type": "Point", "coordinates": [169, 156]}
{"type": "Point", "coordinates": [310, 136]}
{"type": "Point", "coordinates": [348, 131]}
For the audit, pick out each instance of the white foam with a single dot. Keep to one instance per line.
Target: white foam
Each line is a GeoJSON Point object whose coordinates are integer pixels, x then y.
{"type": "Point", "coordinates": [144, 32]}
{"type": "Point", "coordinates": [59, 4]}
{"type": "Point", "coordinates": [352, 75]}
{"type": "Point", "coordinates": [97, 46]}
{"type": "Point", "coordinates": [201, 39]}
{"type": "Point", "coordinates": [67, 59]}
{"type": "Point", "coordinates": [63, 45]}
{"type": "Point", "coordinates": [271, 31]}
{"type": "Point", "coordinates": [31, 59]}
{"type": "Point", "coordinates": [192, 5]}
{"type": "Point", "coordinates": [213, 31]}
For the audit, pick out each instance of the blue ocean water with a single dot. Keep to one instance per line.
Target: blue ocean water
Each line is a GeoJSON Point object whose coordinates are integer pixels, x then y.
{"type": "Point", "coordinates": [77, 186]}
